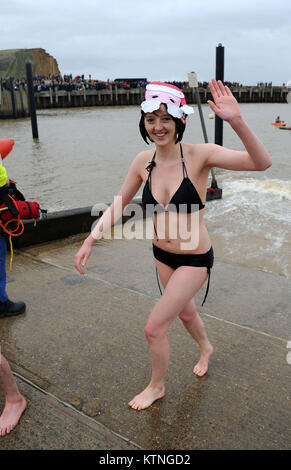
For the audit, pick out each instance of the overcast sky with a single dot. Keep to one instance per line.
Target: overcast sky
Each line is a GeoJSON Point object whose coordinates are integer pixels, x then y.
{"type": "Point", "coordinates": [156, 39]}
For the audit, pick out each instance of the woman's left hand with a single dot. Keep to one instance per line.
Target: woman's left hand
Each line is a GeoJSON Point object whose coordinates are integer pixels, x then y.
{"type": "Point", "coordinates": [225, 104]}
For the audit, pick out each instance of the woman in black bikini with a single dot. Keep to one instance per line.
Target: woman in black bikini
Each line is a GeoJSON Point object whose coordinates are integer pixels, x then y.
{"type": "Point", "coordinates": [175, 177]}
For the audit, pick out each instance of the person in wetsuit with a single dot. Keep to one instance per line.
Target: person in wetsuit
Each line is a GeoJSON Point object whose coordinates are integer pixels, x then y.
{"type": "Point", "coordinates": [175, 178]}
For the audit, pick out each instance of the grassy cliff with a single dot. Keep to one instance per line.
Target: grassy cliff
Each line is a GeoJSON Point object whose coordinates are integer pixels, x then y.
{"type": "Point", "coordinates": [12, 62]}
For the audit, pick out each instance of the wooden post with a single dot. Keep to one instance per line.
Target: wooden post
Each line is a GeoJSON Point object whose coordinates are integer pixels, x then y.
{"type": "Point", "coordinates": [38, 99]}
{"type": "Point", "coordinates": [51, 95]}
{"type": "Point", "coordinates": [31, 100]}
{"type": "Point", "coordinates": [192, 78]}
{"type": "Point", "coordinates": [219, 76]}
{"type": "Point", "coordinates": [23, 99]}
{"type": "Point", "coordinates": [14, 111]}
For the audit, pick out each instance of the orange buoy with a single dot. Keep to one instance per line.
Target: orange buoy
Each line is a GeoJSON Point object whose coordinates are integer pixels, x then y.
{"type": "Point", "coordinates": [6, 146]}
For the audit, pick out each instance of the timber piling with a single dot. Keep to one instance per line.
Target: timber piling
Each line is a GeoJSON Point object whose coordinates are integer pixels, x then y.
{"type": "Point", "coordinates": [52, 99]}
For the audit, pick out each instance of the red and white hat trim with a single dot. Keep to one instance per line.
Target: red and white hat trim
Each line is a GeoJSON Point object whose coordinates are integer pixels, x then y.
{"type": "Point", "coordinates": [158, 93]}
{"type": "Point", "coordinates": [166, 88]}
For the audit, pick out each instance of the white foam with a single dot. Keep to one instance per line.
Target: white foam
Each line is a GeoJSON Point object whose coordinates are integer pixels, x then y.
{"type": "Point", "coordinates": [270, 187]}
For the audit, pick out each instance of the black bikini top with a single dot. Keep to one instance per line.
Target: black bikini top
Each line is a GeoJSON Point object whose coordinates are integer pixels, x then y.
{"type": "Point", "coordinates": [186, 194]}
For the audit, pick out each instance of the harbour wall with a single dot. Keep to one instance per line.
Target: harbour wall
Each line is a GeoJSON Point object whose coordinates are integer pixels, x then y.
{"type": "Point", "coordinates": [14, 104]}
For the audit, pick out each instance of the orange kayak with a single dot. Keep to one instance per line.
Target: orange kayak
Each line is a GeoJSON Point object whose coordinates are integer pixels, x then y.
{"type": "Point", "coordinates": [279, 124]}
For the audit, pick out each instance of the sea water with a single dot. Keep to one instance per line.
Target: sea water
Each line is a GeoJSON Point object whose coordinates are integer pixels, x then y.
{"type": "Point", "coordinates": [83, 154]}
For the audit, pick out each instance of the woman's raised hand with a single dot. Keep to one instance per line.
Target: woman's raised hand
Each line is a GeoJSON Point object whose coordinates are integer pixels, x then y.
{"type": "Point", "coordinates": [225, 104]}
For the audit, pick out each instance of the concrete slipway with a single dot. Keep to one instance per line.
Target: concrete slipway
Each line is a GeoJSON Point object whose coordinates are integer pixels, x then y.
{"type": "Point", "coordinates": [79, 354]}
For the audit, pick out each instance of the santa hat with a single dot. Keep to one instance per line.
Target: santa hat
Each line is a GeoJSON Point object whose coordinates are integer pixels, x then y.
{"type": "Point", "coordinates": [172, 96]}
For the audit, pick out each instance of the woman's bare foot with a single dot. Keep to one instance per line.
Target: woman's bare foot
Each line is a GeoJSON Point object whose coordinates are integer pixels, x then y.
{"type": "Point", "coordinates": [147, 397]}
{"type": "Point", "coordinates": [11, 415]}
{"type": "Point", "coordinates": [202, 366]}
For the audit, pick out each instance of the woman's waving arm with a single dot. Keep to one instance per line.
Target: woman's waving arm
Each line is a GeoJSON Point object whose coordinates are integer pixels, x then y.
{"type": "Point", "coordinates": [256, 157]}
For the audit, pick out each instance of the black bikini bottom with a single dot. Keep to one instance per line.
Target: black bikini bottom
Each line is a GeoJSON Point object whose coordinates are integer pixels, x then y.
{"type": "Point", "coordinates": [175, 260]}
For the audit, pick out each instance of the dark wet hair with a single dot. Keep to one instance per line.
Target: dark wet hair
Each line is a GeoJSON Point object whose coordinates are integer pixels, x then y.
{"type": "Point", "coordinates": [180, 128]}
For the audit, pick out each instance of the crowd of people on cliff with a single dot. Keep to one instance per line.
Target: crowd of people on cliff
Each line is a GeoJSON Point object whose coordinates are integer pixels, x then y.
{"type": "Point", "coordinates": [70, 83]}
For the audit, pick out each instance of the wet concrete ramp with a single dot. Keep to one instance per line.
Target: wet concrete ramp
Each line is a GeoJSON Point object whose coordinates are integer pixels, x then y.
{"type": "Point", "coordinates": [79, 355]}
